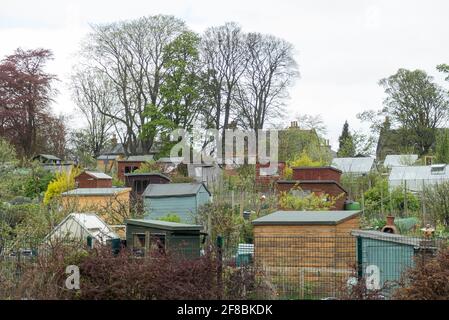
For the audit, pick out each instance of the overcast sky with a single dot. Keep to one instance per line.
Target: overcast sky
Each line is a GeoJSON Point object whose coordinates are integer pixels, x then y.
{"type": "Point", "coordinates": [343, 47]}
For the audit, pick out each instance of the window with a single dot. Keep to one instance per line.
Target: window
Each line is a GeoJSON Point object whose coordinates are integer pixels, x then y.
{"type": "Point", "coordinates": [438, 169]}
{"type": "Point", "coordinates": [139, 240]}
{"type": "Point", "coordinates": [130, 169]}
{"type": "Point", "coordinates": [157, 242]}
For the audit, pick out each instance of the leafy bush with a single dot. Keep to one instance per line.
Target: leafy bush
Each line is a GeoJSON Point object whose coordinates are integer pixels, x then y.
{"type": "Point", "coordinates": [428, 280]}
{"type": "Point", "coordinates": [311, 201]}
{"type": "Point", "coordinates": [437, 202]}
{"type": "Point", "coordinates": [62, 183]}
{"type": "Point", "coordinates": [304, 160]}
{"type": "Point", "coordinates": [171, 218]}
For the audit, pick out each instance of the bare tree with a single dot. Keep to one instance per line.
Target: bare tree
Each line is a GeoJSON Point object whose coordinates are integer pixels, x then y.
{"type": "Point", "coordinates": [130, 55]}
{"type": "Point", "coordinates": [270, 71]}
{"type": "Point", "coordinates": [94, 96]}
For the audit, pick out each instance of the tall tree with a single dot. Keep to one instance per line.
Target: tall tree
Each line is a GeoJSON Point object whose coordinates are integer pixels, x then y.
{"type": "Point", "coordinates": [131, 55]}
{"type": "Point", "coordinates": [442, 146]}
{"type": "Point", "coordinates": [269, 72]}
{"type": "Point", "coordinates": [25, 95]}
{"type": "Point", "coordinates": [417, 104]}
{"type": "Point", "coordinates": [94, 96]}
{"type": "Point", "coordinates": [346, 147]}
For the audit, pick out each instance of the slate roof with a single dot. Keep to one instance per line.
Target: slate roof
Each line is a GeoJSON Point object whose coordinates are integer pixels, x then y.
{"type": "Point", "coordinates": [173, 190]}
{"type": "Point", "coordinates": [306, 217]}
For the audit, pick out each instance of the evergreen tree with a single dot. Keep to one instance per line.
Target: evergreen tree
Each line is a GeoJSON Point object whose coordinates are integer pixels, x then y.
{"type": "Point", "coordinates": [346, 146]}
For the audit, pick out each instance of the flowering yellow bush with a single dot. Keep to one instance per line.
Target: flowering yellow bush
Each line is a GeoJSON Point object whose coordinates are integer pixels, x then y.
{"type": "Point", "coordinates": [303, 161]}
{"type": "Point", "coordinates": [62, 183]}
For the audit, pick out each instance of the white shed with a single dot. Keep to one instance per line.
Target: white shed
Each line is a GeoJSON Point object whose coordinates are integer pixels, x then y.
{"type": "Point", "coordinates": [415, 178]}
{"type": "Point", "coordinates": [78, 226]}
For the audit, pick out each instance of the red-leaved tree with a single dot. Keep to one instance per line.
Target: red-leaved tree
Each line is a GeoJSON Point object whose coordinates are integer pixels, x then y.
{"type": "Point", "coordinates": [25, 95]}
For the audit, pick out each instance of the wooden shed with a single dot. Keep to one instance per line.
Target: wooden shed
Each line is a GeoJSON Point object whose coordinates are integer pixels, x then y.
{"type": "Point", "coordinates": [138, 182]}
{"type": "Point", "coordinates": [306, 249]}
{"type": "Point", "coordinates": [145, 235]}
{"type": "Point", "coordinates": [90, 179]}
{"type": "Point", "coordinates": [181, 199]}
{"type": "Point", "coordinates": [130, 164]}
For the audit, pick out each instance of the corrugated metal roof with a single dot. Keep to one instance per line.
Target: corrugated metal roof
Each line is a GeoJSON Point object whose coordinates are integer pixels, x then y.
{"type": "Point", "coordinates": [173, 189]}
{"type": "Point", "coordinates": [305, 217]}
{"type": "Point", "coordinates": [48, 156]}
{"type": "Point", "coordinates": [166, 225]}
{"type": "Point", "coordinates": [354, 165]}
{"type": "Point", "coordinates": [396, 160]}
{"type": "Point", "coordinates": [98, 175]}
{"type": "Point", "coordinates": [95, 191]}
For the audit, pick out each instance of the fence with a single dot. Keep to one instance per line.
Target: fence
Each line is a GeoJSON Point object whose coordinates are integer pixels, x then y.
{"type": "Point", "coordinates": [297, 267]}
{"type": "Point", "coordinates": [317, 267]}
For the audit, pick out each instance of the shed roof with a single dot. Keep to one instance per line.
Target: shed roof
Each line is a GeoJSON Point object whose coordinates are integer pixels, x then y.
{"type": "Point", "coordinates": [396, 160]}
{"type": "Point", "coordinates": [322, 168]}
{"type": "Point", "coordinates": [47, 156]}
{"type": "Point", "coordinates": [306, 218]}
{"type": "Point", "coordinates": [354, 165]}
{"type": "Point", "coordinates": [147, 174]}
{"type": "Point", "coordinates": [173, 189]}
{"type": "Point", "coordinates": [98, 175]}
{"type": "Point", "coordinates": [95, 191]}
{"type": "Point", "coordinates": [164, 225]}
{"type": "Point", "coordinates": [417, 177]}
{"type": "Point", "coordinates": [389, 237]}
{"type": "Point", "coordinates": [90, 222]}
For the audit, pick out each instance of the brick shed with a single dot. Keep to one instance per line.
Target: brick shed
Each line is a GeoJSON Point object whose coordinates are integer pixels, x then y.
{"type": "Point", "coordinates": [130, 164]}
{"type": "Point", "coordinates": [306, 250]}
{"type": "Point", "coordinates": [317, 180]}
{"type": "Point", "coordinates": [90, 179]}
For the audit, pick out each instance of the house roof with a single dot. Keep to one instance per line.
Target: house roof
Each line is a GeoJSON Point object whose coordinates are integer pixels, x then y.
{"type": "Point", "coordinates": [173, 190]}
{"type": "Point", "coordinates": [90, 222]}
{"type": "Point", "coordinates": [354, 165]}
{"type": "Point", "coordinates": [139, 158]}
{"type": "Point", "coordinates": [396, 160]}
{"type": "Point", "coordinates": [95, 191]}
{"type": "Point", "coordinates": [98, 175]}
{"type": "Point", "coordinates": [165, 225]}
{"type": "Point", "coordinates": [147, 174]}
{"type": "Point", "coordinates": [306, 218]}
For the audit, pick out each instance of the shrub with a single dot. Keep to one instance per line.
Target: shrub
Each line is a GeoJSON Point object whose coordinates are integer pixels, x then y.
{"type": "Point", "coordinates": [171, 218]}
{"type": "Point", "coordinates": [428, 280]}
{"type": "Point", "coordinates": [288, 201]}
{"type": "Point", "coordinates": [302, 161]}
{"type": "Point", "coordinates": [62, 183]}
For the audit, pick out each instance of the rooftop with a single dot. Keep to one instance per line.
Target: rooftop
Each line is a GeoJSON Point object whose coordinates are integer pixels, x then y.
{"type": "Point", "coordinates": [98, 175]}
{"type": "Point", "coordinates": [173, 189]}
{"type": "Point", "coordinates": [396, 160]}
{"type": "Point", "coordinates": [306, 218]}
{"type": "Point", "coordinates": [354, 165]}
{"type": "Point", "coordinates": [95, 191]}
{"type": "Point", "coordinates": [165, 225]}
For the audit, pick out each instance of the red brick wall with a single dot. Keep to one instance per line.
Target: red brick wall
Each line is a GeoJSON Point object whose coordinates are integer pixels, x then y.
{"type": "Point", "coordinates": [86, 181]}
{"type": "Point", "coordinates": [316, 174]}
{"type": "Point", "coordinates": [319, 188]}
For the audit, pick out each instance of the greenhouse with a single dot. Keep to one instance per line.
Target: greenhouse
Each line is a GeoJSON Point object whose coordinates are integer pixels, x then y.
{"type": "Point", "coordinates": [415, 178]}
{"type": "Point", "coordinates": [398, 160]}
{"type": "Point", "coordinates": [360, 165]}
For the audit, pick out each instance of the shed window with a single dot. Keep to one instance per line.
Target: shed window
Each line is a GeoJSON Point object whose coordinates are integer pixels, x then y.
{"type": "Point", "coordinates": [139, 240]}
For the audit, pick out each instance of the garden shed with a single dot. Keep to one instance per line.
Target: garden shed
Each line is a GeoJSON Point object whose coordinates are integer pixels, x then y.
{"type": "Point", "coordinates": [80, 226]}
{"type": "Point", "coordinates": [138, 182]}
{"type": "Point", "coordinates": [144, 235]}
{"type": "Point", "coordinates": [90, 179]}
{"type": "Point", "coordinates": [181, 199]}
{"type": "Point", "coordinates": [306, 248]}
{"type": "Point", "coordinates": [389, 255]}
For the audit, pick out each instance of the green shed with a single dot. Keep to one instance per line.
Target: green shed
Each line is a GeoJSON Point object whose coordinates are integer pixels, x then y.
{"type": "Point", "coordinates": [385, 256]}
{"type": "Point", "coordinates": [144, 235]}
{"type": "Point", "coordinates": [181, 199]}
